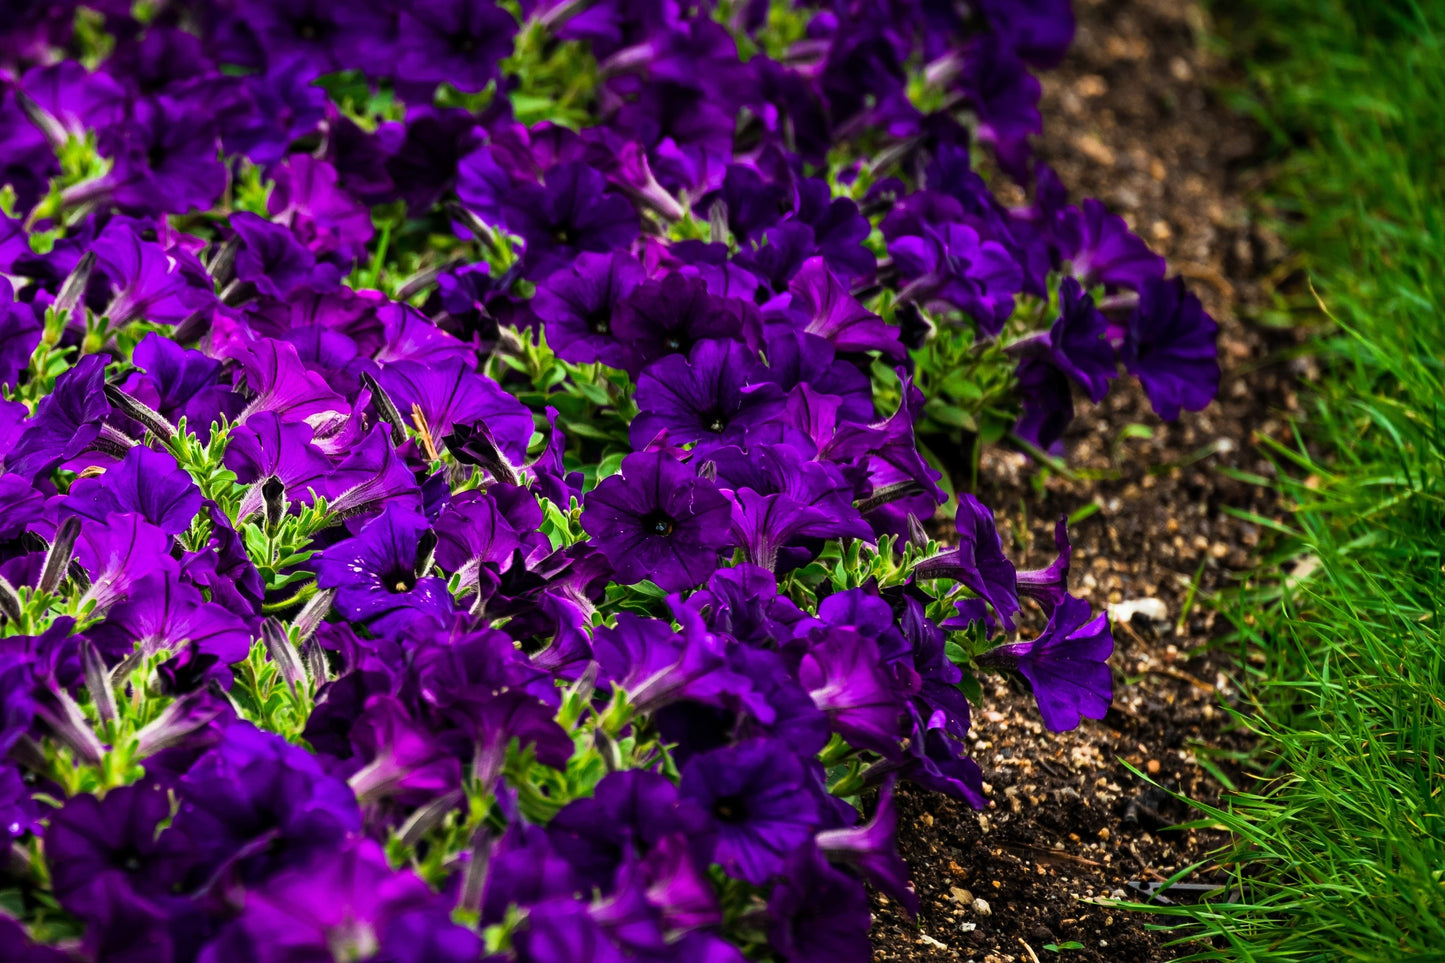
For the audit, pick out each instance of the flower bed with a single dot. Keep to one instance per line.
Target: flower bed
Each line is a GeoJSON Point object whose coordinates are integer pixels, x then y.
{"type": "Point", "coordinates": [465, 467]}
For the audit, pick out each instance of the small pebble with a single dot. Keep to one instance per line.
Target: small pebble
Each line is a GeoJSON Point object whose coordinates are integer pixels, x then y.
{"type": "Point", "coordinates": [1153, 767]}
{"type": "Point", "coordinates": [981, 907]}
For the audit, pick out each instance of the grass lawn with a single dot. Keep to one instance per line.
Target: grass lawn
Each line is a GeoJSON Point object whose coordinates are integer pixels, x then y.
{"type": "Point", "coordinates": [1341, 840]}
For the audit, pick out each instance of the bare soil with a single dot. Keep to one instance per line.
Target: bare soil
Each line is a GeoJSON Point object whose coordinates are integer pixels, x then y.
{"type": "Point", "coordinates": [1130, 118]}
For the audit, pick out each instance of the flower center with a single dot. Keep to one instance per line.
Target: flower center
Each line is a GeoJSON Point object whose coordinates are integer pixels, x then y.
{"type": "Point", "coordinates": [658, 524]}
{"type": "Point", "coordinates": [399, 580]}
{"type": "Point", "coordinates": [729, 809]}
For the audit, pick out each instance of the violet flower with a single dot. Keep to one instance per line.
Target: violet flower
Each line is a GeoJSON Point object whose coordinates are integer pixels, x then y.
{"type": "Point", "coordinates": [1067, 665]}
{"type": "Point", "coordinates": [817, 914]}
{"type": "Point", "coordinates": [146, 483]}
{"type": "Point", "coordinates": [1170, 346]}
{"type": "Point", "coordinates": [381, 575]}
{"type": "Point", "coordinates": [978, 562]}
{"type": "Point", "coordinates": [719, 389]}
{"type": "Point", "coordinates": [455, 41]}
{"type": "Point", "coordinates": [763, 804]}
{"type": "Point", "coordinates": [657, 520]}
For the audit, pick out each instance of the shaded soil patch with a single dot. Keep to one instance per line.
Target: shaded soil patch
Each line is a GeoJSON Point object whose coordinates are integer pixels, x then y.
{"type": "Point", "coordinates": [1129, 118]}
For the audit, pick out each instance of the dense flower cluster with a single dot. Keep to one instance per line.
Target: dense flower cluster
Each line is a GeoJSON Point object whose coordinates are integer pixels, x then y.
{"type": "Point", "coordinates": [461, 484]}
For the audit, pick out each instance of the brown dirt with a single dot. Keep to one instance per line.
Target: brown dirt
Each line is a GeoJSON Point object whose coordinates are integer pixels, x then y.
{"type": "Point", "coordinates": [1129, 118]}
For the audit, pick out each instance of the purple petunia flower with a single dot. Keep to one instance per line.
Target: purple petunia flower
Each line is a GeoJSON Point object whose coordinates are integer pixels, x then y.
{"type": "Point", "coordinates": [873, 850]}
{"type": "Point", "coordinates": [347, 903]}
{"type": "Point", "coordinates": [1105, 251]}
{"type": "Point", "coordinates": [763, 803]}
{"type": "Point", "coordinates": [1170, 346]}
{"type": "Point", "coordinates": [147, 483]}
{"type": "Point", "coordinates": [844, 674]}
{"type": "Point", "coordinates": [163, 613]}
{"type": "Point", "coordinates": [66, 421]}
{"type": "Point", "coordinates": [978, 561]}
{"type": "Point", "coordinates": [271, 258]}
{"type": "Point", "coordinates": [710, 396]}
{"type": "Point", "coordinates": [572, 214]}
{"type": "Point", "coordinates": [1067, 665]}
{"type": "Point", "coordinates": [1079, 344]}
{"type": "Point", "coordinates": [667, 317]}
{"type": "Point", "coordinates": [628, 816]}
{"type": "Point", "coordinates": [380, 576]}
{"type": "Point", "coordinates": [93, 843]}
{"type": "Point", "coordinates": [456, 41]}
{"type": "Point", "coordinates": [577, 307]}
{"type": "Point", "coordinates": [261, 805]}
{"type": "Point", "coordinates": [20, 332]}
{"type": "Point", "coordinates": [817, 914]}
{"type": "Point", "coordinates": [657, 520]}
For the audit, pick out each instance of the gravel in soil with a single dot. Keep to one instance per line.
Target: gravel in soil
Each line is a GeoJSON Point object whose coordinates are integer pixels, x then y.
{"type": "Point", "coordinates": [1129, 118]}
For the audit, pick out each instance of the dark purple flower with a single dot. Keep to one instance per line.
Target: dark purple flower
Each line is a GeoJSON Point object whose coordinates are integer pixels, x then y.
{"type": "Point", "coordinates": [166, 159]}
{"type": "Point", "coordinates": [27, 159]}
{"type": "Point", "coordinates": [629, 815]}
{"type": "Point", "coordinates": [280, 106]}
{"type": "Point", "coordinates": [577, 307]}
{"type": "Point", "coordinates": [458, 42]}
{"type": "Point", "coordinates": [1039, 31]}
{"type": "Point", "coordinates": [817, 914]}
{"type": "Point", "coordinates": [1067, 665]}
{"type": "Point", "coordinates": [873, 850]}
{"type": "Point", "coordinates": [657, 520]}
{"type": "Point", "coordinates": [1171, 347]}
{"type": "Point", "coordinates": [344, 904]}
{"type": "Point", "coordinates": [378, 574]}
{"type": "Point", "coordinates": [763, 801]}
{"type": "Point", "coordinates": [309, 200]}
{"type": "Point", "coordinates": [710, 396]}
{"type": "Point", "coordinates": [978, 562]}
{"type": "Point", "coordinates": [145, 280]}
{"type": "Point", "coordinates": [279, 382]}
{"type": "Point", "coordinates": [1049, 586]}
{"type": "Point", "coordinates": [20, 813]}
{"type": "Point", "coordinates": [424, 165]}
{"type": "Point", "coordinates": [657, 666]}
{"type": "Point", "coordinates": [1079, 339]}
{"type": "Point", "coordinates": [830, 312]}
{"type": "Point", "coordinates": [404, 761]}
{"type": "Point", "coordinates": [1107, 252]}
{"type": "Point", "coordinates": [271, 258]}
{"type": "Point", "coordinates": [180, 383]}
{"type": "Point", "coordinates": [16, 940]}
{"type": "Point", "coordinates": [119, 552]}
{"type": "Point", "coordinates": [1046, 399]}
{"type": "Point", "coordinates": [952, 265]}
{"type": "Point", "coordinates": [163, 613]}
{"type": "Point", "coordinates": [844, 674]}
{"type": "Point", "coordinates": [449, 394]}
{"type": "Point", "coordinates": [92, 842]}
{"type": "Point", "coordinates": [265, 447]}
{"type": "Point", "coordinates": [666, 317]}
{"type": "Point", "coordinates": [20, 332]}
{"type": "Point", "coordinates": [265, 805]}
{"type": "Point", "coordinates": [66, 421]}
{"type": "Point", "coordinates": [562, 931]}
{"type": "Point", "coordinates": [147, 483]}
{"type": "Point", "coordinates": [573, 213]}
{"type": "Point", "coordinates": [1005, 97]}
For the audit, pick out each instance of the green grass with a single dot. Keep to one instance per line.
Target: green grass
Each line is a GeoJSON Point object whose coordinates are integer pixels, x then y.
{"type": "Point", "coordinates": [1340, 833]}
